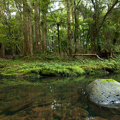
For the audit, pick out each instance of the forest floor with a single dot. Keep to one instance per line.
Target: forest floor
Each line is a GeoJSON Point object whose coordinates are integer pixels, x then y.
{"type": "Point", "coordinates": [43, 65]}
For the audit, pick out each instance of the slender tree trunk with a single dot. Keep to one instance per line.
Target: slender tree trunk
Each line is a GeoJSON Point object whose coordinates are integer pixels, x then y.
{"type": "Point", "coordinates": [9, 27]}
{"type": "Point", "coordinates": [2, 53]}
{"type": "Point", "coordinates": [30, 40]}
{"type": "Point", "coordinates": [76, 32]}
{"type": "Point", "coordinates": [37, 26]}
{"type": "Point", "coordinates": [44, 30]}
{"type": "Point", "coordinates": [73, 33]}
{"type": "Point", "coordinates": [76, 28]}
{"type": "Point", "coordinates": [20, 46]}
{"type": "Point", "coordinates": [25, 31]}
{"type": "Point", "coordinates": [40, 26]}
{"type": "Point", "coordinates": [59, 43]}
{"type": "Point", "coordinates": [94, 29]}
{"type": "Point", "coordinates": [44, 36]}
{"type": "Point", "coordinates": [69, 28]}
{"type": "Point", "coordinates": [30, 37]}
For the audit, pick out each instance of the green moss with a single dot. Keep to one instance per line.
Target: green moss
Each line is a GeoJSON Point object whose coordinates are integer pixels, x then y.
{"type": "Point", "coordinates": [48, 72]}
{"type": "Point", "coordinates": [108, 80]}
{"type": "Point", "coordinates": [54, 72]}
{"type": "Point", "coordinates": [100, 95]}
{"type": "Point", "coordinates": [76, 69]}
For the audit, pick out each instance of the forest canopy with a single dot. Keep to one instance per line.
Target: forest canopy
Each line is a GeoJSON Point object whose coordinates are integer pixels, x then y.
{"type": "Point", "coordinates": [59, 27]}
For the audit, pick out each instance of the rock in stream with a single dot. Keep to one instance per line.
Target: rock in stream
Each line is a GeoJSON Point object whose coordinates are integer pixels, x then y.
{"type": "Point", "coordinates": [104, 92]}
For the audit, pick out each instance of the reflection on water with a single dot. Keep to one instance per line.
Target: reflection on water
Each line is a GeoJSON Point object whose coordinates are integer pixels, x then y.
{"type": "Point", "coordinates": [51, 99]}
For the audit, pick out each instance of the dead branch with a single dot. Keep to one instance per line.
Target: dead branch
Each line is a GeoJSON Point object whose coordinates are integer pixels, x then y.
{"type": "Point", "coordinates": [88, 55]}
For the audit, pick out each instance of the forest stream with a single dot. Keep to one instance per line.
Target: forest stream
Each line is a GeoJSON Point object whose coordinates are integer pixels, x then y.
{"type": "Point", "coordinates": [55, 98]}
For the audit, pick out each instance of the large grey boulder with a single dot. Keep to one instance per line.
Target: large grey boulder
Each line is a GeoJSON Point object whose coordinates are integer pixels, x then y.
{"type": "Point", "coordinates": [104, 92]}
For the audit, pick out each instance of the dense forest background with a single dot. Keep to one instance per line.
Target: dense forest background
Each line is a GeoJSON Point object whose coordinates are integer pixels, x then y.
{"type": "Point", "coordinates": [59, 27]}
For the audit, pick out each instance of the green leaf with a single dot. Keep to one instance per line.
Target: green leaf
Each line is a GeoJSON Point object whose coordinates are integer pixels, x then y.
{"type": "Point", "coordinates": [2, 36]}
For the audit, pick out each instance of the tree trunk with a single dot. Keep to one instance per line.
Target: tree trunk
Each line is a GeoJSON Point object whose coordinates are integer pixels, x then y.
{"type": "Point", "coordinates": [44, 37]}
{"type": "Point", "coordinates": [25, 31]}
{"type": "Point", "coordinates": [69, 28]}
{"type": "Point", "coordinates": [59, 44]}
{"type": "Point", "coordinates": [40, 43]}
{"type": "Point", "coordinates": [20, 46]}
{"type": "Point", "coordinates": [76, 31]}
{"type": "Point", "coordinates": [37, 26]}
{"type": "Point", "coordinates": [97, 26]}
{"type": "Point", "coordinates": [2, 51]}
{"type": "Point", "coordinates": [30, 36]}
{"type": "Point", "coordinates": [10, 34]}
{"type": "Point", "coordinates": [73, 32]}
{"type": "Point", "coordinates": [44, 30]}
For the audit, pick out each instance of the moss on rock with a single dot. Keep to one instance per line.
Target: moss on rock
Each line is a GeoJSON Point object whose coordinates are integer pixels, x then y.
{"type": "Point", "coordinates": [108, 80]}
{"type": "Point", "coordinates": [104, 92]}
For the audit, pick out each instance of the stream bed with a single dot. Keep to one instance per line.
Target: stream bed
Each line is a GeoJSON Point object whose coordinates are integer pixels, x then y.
{"type": "Point", "coordinates": [53, 98]}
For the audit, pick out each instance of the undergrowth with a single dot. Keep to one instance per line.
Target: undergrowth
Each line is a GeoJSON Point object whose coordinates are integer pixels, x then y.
{"type": "Point", "coordinates": [57, 66]}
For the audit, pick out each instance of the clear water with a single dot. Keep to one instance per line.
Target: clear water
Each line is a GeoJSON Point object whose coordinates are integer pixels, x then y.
{"type": "Point", "coordinates": [51, 99]}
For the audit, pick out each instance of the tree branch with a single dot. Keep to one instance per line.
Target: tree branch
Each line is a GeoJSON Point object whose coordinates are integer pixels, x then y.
{"type": "Point", "coordinates": [88, 55]}
{"type": "Point", "coordinates": [93, 4]}
{"type": "Point", "coordinates": [107, 14]}
{"type": "Point", "coordinates": [78, 2]}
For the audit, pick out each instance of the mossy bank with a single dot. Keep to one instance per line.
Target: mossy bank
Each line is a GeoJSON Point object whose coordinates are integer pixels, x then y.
{"type": "Point", "coordinates": [55, 66]}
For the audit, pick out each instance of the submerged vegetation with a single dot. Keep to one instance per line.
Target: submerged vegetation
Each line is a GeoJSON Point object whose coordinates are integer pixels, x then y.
{"type": "Point", "coordinates": [38, 66]}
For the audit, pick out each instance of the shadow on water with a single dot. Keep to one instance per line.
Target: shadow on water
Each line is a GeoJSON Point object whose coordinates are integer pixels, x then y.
{"type": "Point", "coordinates": [51, 99]}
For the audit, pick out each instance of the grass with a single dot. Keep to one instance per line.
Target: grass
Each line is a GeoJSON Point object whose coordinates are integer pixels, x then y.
{"type": "Point", "coordinates": [57, 66]}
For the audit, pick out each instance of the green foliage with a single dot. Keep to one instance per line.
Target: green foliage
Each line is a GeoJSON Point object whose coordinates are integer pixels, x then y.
{"type": "Point", "coordinates": [58, 67]}
{"type": "Point", "coordinates": [2, 36]}
{"type": "Point", "coordinates": [86, 18]}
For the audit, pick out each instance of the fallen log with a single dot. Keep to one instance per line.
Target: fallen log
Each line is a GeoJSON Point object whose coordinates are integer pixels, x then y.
{"type": "Point", "coordinates": [88, 55]}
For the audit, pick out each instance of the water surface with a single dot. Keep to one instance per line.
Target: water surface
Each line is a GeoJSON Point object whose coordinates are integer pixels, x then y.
{"type": "Point", "coordinates": [53, 98]}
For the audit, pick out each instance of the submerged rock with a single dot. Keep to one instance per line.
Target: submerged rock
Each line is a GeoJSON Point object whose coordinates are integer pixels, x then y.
{"type": "Point", "coordinates": [77, 111]}
{"type": "Point", "coordinates": [20, 106]}
{"type": "Point", "coordinates": [105, 92]}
